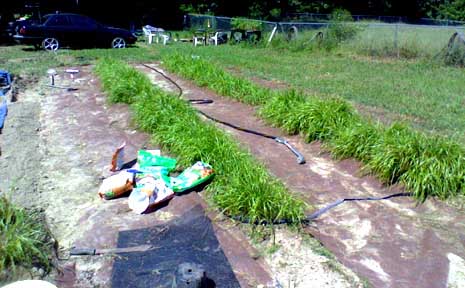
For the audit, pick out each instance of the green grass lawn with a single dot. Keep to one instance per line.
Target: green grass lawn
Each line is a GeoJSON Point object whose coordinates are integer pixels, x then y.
{"type": "Point", "coordinates": [428, 96]}
{"type": "Point", "coordinates": [24, 60]}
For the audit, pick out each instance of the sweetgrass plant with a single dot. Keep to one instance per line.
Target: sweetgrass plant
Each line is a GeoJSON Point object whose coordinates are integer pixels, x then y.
{"type": "Point", "coordinates": [425, 165]}
{"type": "Point", "coordinates": [242, 187]}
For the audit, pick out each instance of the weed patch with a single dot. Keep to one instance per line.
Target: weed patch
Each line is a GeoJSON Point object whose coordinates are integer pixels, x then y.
{"type": "Point", "coordinates": [242, 187]}
{"type": "Point", "coordinates": [24, 240]}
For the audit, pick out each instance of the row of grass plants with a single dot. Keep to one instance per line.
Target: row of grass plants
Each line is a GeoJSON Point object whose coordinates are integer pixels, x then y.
{"type": "Point", "coordinates": [24, 240]}
{"type": "Point", "coordinates": [242, 187]}
{"type": "Point", "coordinates": [425, 165]}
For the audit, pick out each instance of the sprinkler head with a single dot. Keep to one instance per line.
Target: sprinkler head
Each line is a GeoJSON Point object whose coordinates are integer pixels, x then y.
{"type": "Point", "coordinates": [52, 73]}
{"type": "Point", "coordinates": [71, 72]}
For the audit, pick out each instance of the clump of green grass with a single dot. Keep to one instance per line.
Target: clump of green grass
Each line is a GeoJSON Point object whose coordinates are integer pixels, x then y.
{"type": "Point", "coordinates": [355, 140]}
{"type": "Point", "coordinates": [426, 166]}
{"type": "Point", "coordinates": [315, 118]}
{"type": "Point", "coordinates": [24, 240]}
{"type": "Point", "coordinates": [122, 82]}
{"type": "Point", "coordinates": [242, 187]}
{"type": "Point", "coordinates": [207, 75]}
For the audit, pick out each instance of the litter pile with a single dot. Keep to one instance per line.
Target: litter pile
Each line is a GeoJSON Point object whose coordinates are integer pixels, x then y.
{"type": "Point", "coordinates": [148, 181]}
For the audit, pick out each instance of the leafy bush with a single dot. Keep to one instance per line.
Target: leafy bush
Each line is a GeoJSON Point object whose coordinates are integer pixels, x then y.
{"type": "Point", "coordinates": [341, 28]}
{"type": "Point", "coordinates": [246, 24]}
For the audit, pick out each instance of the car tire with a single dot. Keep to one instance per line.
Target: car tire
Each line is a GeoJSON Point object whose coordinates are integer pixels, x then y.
{"type": "Point", "coordinates": [118, 43]}
{"type": "Point", "coordinates": [50, 44]}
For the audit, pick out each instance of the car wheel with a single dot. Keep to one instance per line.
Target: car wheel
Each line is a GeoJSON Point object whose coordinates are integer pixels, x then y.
{"type": "Point", "coordinates": [118, 42]}
{"type": "Point", "coordinates": [50, 44]}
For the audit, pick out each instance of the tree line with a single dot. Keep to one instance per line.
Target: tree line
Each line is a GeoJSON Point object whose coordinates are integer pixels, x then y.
{"type": "Point", "coordinates": [277, 9]}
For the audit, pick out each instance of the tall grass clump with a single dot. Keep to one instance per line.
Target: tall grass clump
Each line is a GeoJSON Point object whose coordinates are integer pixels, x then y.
{"type": "Point", "coordinates": [123, 83]}
{"type": "Point", "coordinates": [242, 187]}
{"type": "Point", "coordinates": [426, 166]}
{"type": "Point", "coordinates": [315, 118]}
{"type": "Point", "coordinates": [356, 140]}
{"type": "Point", "coordinates": [204, 74]}
{"type": "Point", "coordinates": [24, 240]}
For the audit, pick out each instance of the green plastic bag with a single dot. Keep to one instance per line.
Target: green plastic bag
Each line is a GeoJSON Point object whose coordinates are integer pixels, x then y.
{"type": "Point", "coordinates": [146, 159]}
{"type": "Point", "coordinates": [192, 176]}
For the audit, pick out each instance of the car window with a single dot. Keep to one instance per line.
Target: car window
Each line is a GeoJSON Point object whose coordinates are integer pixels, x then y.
{"type": "Point", "coordinates": [45, 18]}
{"type": "Point", "coordinates": [83, 21]}
{"type": "Point", "coordinates": [58, 20]}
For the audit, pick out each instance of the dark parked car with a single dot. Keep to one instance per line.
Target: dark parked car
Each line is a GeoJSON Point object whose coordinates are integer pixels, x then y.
{"type": "Point", "coordinates": [64, 29]}
{"type": "Point", "coordinates": [6, 27]}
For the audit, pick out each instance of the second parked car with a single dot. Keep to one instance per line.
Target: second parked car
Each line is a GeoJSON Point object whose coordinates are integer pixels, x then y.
{"type": "Point", "coordinates": [64, 29]}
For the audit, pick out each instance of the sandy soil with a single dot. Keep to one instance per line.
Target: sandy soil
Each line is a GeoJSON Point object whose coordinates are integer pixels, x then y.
{"type": "Point", "coordinates": [57, 145]}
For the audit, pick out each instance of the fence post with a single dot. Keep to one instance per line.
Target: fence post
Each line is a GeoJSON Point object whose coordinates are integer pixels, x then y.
{"type": "Point", "coordinates": [396, 40]}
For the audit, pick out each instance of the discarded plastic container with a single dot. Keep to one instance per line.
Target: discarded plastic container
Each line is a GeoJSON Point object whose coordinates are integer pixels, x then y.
{"type": "Point", "coordinates": [116, 185]}
{"type": "Point", "coordinates": [148, 194]}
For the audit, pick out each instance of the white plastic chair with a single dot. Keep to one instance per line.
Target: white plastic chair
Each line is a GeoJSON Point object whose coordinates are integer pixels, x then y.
{"type": "Point", "coordinates": [148, 33]}
{"type": "Point", "coordinates": [218, 38]}
{"type": "Point", "coordinates": [214, 39]}
{"type": "Point", "coordinates": [199, 40]}
{"type": "Point", "coordinates": [164, 38]}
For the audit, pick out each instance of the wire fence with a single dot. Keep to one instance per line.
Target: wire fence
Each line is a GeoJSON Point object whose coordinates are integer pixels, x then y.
{"type": "Point", "coordinates": [316, 17]}
{"type": "Point", "coordinates": [373, 38]}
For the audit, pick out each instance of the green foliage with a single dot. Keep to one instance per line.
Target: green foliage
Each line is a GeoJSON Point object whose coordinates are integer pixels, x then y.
{"type": "Point", "coordinates": [241, 187]}
{"type": "Point", "coordinates": [452, 10]}
{"type": "Point", "coordinates": [341, 28]}
{"type": "Point", "coordinates": [246, 24]}
{"type": "Point", "coordinates": [321, 6]}
{"type": "Point", "coordinates": [24, 240]}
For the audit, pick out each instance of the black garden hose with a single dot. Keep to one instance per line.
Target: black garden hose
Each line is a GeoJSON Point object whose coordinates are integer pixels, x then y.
{"type": "Point", "coordinates": [300, 158]}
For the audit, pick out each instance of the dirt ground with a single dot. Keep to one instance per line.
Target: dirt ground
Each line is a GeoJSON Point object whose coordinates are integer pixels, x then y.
{"type": "Point", "coordinates": [56, 147]}
{"type": "Point", "coordinates": [56, 144]}
{"type": "Point", "coordinates": [390, 243]}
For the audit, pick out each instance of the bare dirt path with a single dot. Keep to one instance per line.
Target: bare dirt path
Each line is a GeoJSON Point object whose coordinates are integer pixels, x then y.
{"type": "Point", "coordinates": [56, 144]}
{"type": "Point", "coordinates": [392, 243]}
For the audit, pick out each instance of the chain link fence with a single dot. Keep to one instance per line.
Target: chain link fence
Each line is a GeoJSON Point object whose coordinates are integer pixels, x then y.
{"type": "Point", "coordinates": [372, 38]}
{"type": "Point", "coordinates": [316, 17]}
